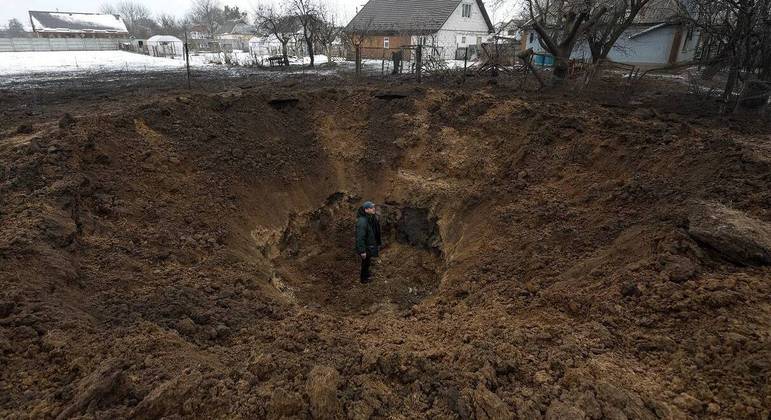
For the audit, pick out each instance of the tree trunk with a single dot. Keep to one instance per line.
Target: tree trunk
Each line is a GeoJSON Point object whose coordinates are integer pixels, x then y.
{"type": "Point", "coordinates": [418, 61]}
{"type": "Point", "coordinates": [765, 66]}
{"type": "Point", "coordinates": [561, 59]}
{"type": "Point", "coordinates": [733, 75]}
{"type": "Point", "coordinates": [595, 48]}
{"type": "Point", "coordinates": [358, 59]}
{"type": "Point", "coordinates": [560, 69]}
{"type": "Point", "coordinates": [396, 56]}
{"type": "Point", "coordinates": [285, 53]}
{"type": "Point", "coordinates": [309, 41]}
{"type": "Point", "coordinates": [596, 57]}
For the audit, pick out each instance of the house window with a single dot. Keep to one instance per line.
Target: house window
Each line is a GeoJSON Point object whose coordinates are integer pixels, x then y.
{"type": "Point", "coordinates": [479, 40]}
{"type": "Point", "coordinates": [386, 42]}
{"type": "Point", "coordinates": [466, 10]}
{"type": "Point", "coordinates": [463, 40]}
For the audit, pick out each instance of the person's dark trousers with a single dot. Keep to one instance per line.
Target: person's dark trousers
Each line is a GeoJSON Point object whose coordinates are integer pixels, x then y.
{"type": "Point", "coordinates": [365, 263]}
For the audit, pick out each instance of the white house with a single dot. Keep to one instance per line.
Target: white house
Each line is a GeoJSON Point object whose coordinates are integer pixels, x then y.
{"type": "Point", "coordinates": [236, 35]}
{"type": "Point", "coordinates": [165, 46]}
{"type": "Point", "coordinates": [199, 31]}
{"type": "Point", "coordinates": [200, 38]}
{"type": "Point", "coordinates": [270, 45]}
{"type": "Point", "coordinates": [449, 28]}
{"type": "Point", "coordinates": [265, 45]}
{"type": "Point", "coordinates": [659, 36]}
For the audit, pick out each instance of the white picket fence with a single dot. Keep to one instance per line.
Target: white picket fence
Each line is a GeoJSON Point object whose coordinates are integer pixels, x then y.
{"type": "Point", "coordinates": [59, 44]}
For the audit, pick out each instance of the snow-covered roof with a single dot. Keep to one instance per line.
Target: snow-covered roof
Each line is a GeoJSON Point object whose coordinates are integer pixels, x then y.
{"type": "Point", "coordinates": [76, 22]}
{"type": "Point", "coordinates": [163, 38]}
{"type": "Point", "coordinates": [648, 30]}
{"type": "Point", "coordinates": [264, 39]}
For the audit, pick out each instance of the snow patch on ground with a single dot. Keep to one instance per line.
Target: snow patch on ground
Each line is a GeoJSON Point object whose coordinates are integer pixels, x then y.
{"type": "Point", "coordinates": [17, 69]}
{"type": "Point", "coordinates": [20, 63]}
{"type": "Point", "coordinates": [31, 63]}
{"type": "Point", "coordinates": [242, 58]}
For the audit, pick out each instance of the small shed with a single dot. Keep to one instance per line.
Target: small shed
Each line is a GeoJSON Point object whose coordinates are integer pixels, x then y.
{"type": "Point", "coordinates": [165, 46]}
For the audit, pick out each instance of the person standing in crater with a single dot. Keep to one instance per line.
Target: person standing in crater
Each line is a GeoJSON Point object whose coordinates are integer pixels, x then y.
{"type": "Point", "coordinates": [367, 238]}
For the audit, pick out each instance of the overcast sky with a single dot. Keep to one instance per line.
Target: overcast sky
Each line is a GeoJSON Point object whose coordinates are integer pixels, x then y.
{"type": "Point", "coordinates": [344, 9]}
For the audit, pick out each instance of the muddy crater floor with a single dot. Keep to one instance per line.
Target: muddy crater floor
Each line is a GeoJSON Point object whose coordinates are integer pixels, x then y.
{"type": "Point", "coordinates": [316, 264]}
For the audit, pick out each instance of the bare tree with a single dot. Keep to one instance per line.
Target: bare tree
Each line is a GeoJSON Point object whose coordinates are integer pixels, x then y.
{"type": "Point", "coordinates": [208, 13]}
{"type": "Point", "coordinates": [134, 14]}
{"type": "Point", "coordinates": [277, 21]}
{"type": "Point", "coordinates": [620, 15]}
{"type": "Point", "coordinates": [15, 28]}
{"type": "Point", "coordinates": [494, 7]}
{"type": "Point", "coordinates": [736, 36]}
{"type": "Point", "coordinates": [108, 9]}
{"type": "Point", "coordinates": [168, 25]}
{"type": "Point", "coordinates": [307, 15]}
{"type": "Point", "coordinates": [327, 31]}
{"type": "Point", "coordinates": [233, 13]}
{"type": "Point", "coordinates": [560, 23]}
{"type": "Point", "coordinates": [357, 32]}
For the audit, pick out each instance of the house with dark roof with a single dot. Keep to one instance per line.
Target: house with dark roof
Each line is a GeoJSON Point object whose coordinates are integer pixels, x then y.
{"type": "Point", "coordinates": [660, 35]}
{"type": "Point", "coordinates": [76, 25]}
{"type": "Point", "coordinates": [236, 35]}
{"type": "Point", "coordinates": [448, 28]}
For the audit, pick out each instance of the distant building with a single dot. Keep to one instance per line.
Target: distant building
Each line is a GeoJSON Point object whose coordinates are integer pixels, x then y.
{"type": "Point", "coordinates": [510, 30]}
{"type": "Point", "coordinates": [165, 46]}
{"type": "Point", "coordinates": [263, 45]}
{"type": "Point", "coordinates": [77, 25]}
{"type": "Point", "coordinates": [450, 28]}
{"type": "Point", "coordinates": [236, 35]}
{"type": "Point", "coordinates": [199, 31]}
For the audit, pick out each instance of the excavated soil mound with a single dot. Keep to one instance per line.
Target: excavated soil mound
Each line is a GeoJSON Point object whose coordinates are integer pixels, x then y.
{"type": "Point", "coordinates": [551, 258]}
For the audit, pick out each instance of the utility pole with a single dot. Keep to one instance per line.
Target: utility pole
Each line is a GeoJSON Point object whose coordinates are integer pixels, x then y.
{"type": "Point", "coordinates": [358, 59]}
{"type": "Point", "coordinates": [419, 61]}
{"type": "Point", "coordinates": [187, 60]}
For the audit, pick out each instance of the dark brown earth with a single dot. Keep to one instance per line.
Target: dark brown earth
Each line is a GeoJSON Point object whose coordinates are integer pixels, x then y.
{"type": "Point", "coordinates": [192, 255]}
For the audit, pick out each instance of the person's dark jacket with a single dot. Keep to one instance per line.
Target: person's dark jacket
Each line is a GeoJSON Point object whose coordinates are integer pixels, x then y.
{"type": "Point", "coordinates": [367, 233]}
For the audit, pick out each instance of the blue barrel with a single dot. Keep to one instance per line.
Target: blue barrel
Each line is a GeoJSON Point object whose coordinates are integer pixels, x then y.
{"type": "Point", "coordinates": [543, 60]}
